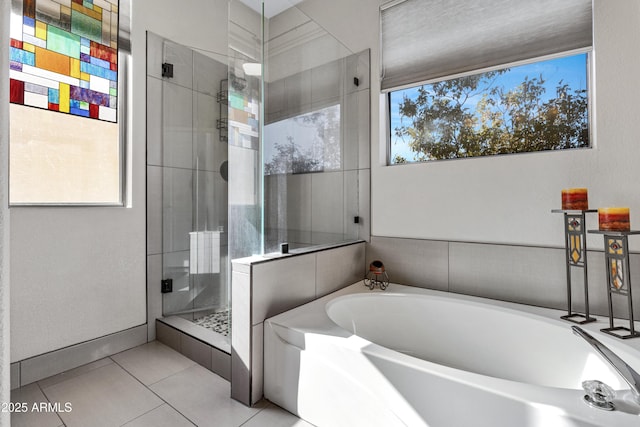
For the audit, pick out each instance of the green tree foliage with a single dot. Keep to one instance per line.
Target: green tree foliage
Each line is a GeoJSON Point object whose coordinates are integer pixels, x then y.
{"type": "Point", "coordinates": [290, 159]}
{"type": "Point", "coordinates": [318, 149]}
{"type": "Point", "coordinates": [446, 120]}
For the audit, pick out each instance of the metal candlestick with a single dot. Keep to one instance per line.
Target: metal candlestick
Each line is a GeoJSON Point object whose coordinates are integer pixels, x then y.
{"type": "Point", "coordinates": [576, 256]}
{"type": "Point", "coordinates": [616, 257]}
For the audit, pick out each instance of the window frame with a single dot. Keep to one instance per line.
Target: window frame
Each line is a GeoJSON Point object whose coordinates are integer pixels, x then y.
{"type": "Point", "coordinates": [386, 95]}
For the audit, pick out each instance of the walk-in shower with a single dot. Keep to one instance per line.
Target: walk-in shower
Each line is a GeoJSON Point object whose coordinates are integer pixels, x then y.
{"type": "Point", "coordinates": [194, 185]}
{"type": "Point", "coordinates": [261, 143]}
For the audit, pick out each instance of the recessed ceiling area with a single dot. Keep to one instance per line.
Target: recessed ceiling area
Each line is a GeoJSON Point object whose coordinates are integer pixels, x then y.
{"type": "Point", "coordinates": [271, 7]}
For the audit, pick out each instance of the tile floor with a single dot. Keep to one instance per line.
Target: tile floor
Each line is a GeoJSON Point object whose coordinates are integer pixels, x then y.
{"type": "Point", "coordinates": [151, 385]}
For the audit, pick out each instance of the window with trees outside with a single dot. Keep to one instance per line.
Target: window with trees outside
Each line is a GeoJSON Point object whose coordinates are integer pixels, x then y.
{"type": "Point", "coordinates": [538, 106]}
{"type": "Point", "coordinates": [305, 143]}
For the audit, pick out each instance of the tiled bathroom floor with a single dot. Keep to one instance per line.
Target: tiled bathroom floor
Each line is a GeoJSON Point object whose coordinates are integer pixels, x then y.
{"type": "Point", "coordinates": [151, 385]}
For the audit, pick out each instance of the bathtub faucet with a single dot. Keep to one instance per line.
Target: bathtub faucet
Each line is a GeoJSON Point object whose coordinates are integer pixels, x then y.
{"type": "Point", "coordinates": [627, 372]}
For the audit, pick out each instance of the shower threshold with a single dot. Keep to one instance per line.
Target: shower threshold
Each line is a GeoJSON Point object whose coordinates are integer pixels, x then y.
{"type": "Point", "coordinates": [200, 344]}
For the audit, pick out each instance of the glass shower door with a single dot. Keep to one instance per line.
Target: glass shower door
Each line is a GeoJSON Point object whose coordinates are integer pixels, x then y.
{"type": "Point", "coordinates": [194, 190]}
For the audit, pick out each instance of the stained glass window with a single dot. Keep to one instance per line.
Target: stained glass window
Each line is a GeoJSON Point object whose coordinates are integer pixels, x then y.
{"type": "Point", "coordinates": [64, 56]}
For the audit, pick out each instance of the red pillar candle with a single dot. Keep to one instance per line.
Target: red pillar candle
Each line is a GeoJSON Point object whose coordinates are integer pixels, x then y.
{"type": "Point", "coordinates": [614, 219]}
{"type": "Point", "coordinates": [575, 199]}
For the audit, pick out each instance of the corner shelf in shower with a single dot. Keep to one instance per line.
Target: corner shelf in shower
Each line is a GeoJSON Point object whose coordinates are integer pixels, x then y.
{"type": "Point", "coordinates": [222, 97]}
{"type": "Point", "coordinates": [576, 256]}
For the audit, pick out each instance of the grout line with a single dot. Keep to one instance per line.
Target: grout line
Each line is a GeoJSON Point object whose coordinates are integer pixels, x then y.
{"type": "Point", "coordinates": [254, 415]}
{"type": "Point", "coordinates": [448, 266]}
{"type": "Point", "coordinates": [156, 394]}
{"type": "Point", "coordinates": [194, 363]}
{"type": "Point", "coordinates": [142, 415]}
{"type": "Point", "coordinates": [49, 400]}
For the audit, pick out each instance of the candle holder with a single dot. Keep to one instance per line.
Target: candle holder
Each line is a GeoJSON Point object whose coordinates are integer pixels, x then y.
{"type": "Point", "coordinates": [616, 257]}
{"type": "Point", "coordinates": [576, 256]}
{"type": "Point", "coordinates": [376, 276]}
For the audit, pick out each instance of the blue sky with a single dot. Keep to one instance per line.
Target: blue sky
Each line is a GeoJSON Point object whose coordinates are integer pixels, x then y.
{"type": "Point", "coordinates": [570, 69]}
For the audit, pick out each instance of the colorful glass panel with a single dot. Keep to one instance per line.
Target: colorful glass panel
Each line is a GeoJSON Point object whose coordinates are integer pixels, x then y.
{"type": "Point", "coordinates": [64, 56]}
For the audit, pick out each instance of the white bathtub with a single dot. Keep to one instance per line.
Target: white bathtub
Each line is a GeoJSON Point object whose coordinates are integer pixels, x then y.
{"type": "Point", "coordinates": [413, 357]}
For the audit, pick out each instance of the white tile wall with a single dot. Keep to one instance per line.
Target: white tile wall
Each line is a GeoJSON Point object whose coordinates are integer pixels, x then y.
{"type": "Point", "coordinates": [299, 196]}
{"type": "Point", "coordinates": [327, 81]}
{"type": "Point", "coordinates": [364, 204]}
{"type": "Point", "coordinates": [297, 89]}
{"type": "Point", "coordinates": [274, 292]}
{"type": "Point", "coordinates": [177, 126]}
{"type": "Point", "coordinates": [182, 59]}
{"type": "Point", "coordinates": [257, 362]}
{"type": "Point", "coordinates": [154, 55]}
{"type": "Point", "coordinates": [266, 288]}
{"type": "Point", "coordinates": [513, 273]}
{"type": "Point", "coordinates": [154, 121]}
{"type": "Point", "coordinates": [275, 101]}
{"type": "Point", "coordinates": [177, 207]}
{"type": "Point", "coordinates": [308, 216]}
{"type": "Point", "coordinates": [154, 210]}
{"type": "Point", "coordinates": [364, 130]}
{"type": "Point", "coordinates": [327, 203]}
{"type": "Point", "coordinates": [207, 200]}
{"type": "Point", "coordinates": [207, 73]}
{"type": "Point", "coordinates": [351, 204]}
{"type": "Point", "coordinates": [350, 138]}
{"type": "Point", "coordinates": [241, 339]}
{"type": "Point", "coordinates": [207, 147]}
{"type": "Point", "coordinates": [358, 65]}
{"type": "Point", "coordinates": [421, 263]}
{"type": "Point", "coordinates": [338, 268]}
{"type": "Point", "coordinates": [176, 267]}
{"type": "Point", "coordinates": [523, 274]}
{"type": "Point", "coordinates": [154, 296]}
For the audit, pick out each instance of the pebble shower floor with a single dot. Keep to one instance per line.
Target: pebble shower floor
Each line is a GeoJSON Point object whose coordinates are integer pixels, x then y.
{"type": "Point", "coordinates": [218, 322]}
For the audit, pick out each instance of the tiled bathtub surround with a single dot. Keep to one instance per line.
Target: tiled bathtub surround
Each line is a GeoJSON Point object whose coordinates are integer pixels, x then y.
{"type": "Point", "coordinates": [263, 287]}
{"type": "Point", "coordinates": [522, 274]}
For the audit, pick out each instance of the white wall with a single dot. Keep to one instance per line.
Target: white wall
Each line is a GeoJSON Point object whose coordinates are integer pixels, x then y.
{"type": "Point", "coordinates": [508, 199]}
{"type": "Point", "coordinates": [79, 273]}
{"type": "Point", "coordinates": [4, 212]}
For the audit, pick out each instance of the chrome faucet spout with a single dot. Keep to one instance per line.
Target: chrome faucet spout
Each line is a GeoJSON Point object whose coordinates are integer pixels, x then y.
{"type": "Point", "coordinates": [627, 372]}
